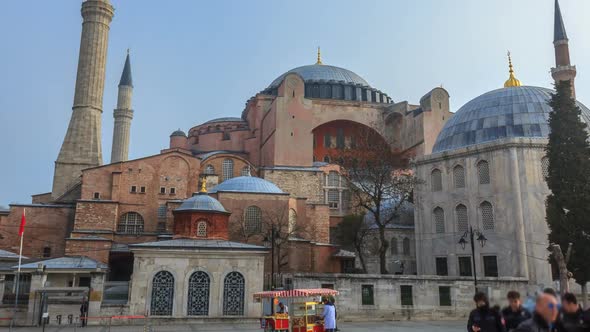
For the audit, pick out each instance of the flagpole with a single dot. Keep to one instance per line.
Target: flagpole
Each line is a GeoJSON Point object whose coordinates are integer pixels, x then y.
{"type": "Point", "coordinates": [20, 257]}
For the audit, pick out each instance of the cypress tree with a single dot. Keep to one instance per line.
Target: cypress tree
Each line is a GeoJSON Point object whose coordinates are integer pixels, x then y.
{"type": "Point", "coordinates": [568, 205]}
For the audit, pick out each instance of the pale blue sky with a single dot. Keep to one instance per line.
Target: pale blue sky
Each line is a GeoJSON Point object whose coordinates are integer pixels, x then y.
{"type": "Point", "coordinates": [196, 60]}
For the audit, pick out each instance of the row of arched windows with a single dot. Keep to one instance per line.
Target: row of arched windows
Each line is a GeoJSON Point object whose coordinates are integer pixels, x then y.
{"type": "Point", "coordinates": [406, 246]}
{"type": "Point", "coordinates": [483, 175]}
{"type": "Point", "coordinates": [486, 212]}
{"type": "Point", "coordinates": [199, 284]}
{"type": "Point", "coordinates": [227, 170]}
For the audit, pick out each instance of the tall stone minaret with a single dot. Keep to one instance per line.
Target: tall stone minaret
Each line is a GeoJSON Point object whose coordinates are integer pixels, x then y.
{"type": "Point", "coordinates": [81, 147]}
{"type": "Point", "coordinates": [123, 115]}
{"type": "Point", "coordinates": [563, 70]}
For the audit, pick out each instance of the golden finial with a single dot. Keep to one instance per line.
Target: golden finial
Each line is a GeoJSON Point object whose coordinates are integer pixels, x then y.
{"type": "Point", "coordinates": [203, 186]}
{"type": "Point", "coordinates": [512, 81]}
{"type": "Point", "coordinates": [319, 62]}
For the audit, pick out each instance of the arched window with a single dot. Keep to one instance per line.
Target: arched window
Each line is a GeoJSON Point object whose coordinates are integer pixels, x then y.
{"type": "Point", "coordinates": [162, 294]}
{"type": "Point", "coordinates": [233, 294]}
{"type": "Point", "coordinates": [436, 180]}
{"type": "Point", "coordinates": [393, 245]}
{"type": "Point", "coordinates": [545, 167]}
{"type": "Point", "coordinates": [439, 219]}
{"type": "Point", "coordinates": [327, 141]}
{"type": "Point", "coordinates": [130, 223]}
{"type": "Point", "coordinates": [487, 215]}
{"type": "Point", "coordinates": [209, 169]}
{"type": "Point", "coordinates": [292, 221]}
{"type": "Point", "coordinates": [202, 228]}
{"type": "Point", "coordinates": [253, 219]}
{"type": "Point", "coordinates": [47, 252]}
{"type": "Point", "coordinates": [227, 169]}
{"type": "Point", "coordinates": [406, 246]}
{"type": "Point", "coordinates": [327, 159]}
{"type": "Point", "coordinates": [198, 294]}
{"type": "Point", "coordinates": [462, 220]}
{"type": "Point", "coordinates": [245, 170]}
{"type": "Point", "coordinates": [459, 176]}
{"type": "Point", "coordinates": [333, 179]}
{"type": "Point", "coordinates": [483, 172]}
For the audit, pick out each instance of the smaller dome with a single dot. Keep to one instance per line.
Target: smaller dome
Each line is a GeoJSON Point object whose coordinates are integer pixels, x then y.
{"type": "Point", "coordinates": [201, 202]}
{"type": "Point", "coordinates": [178, 133]}
{"type": "Point", "coordinates": [247, 184]}
{"type": "Point", "coordinates": [226, 119]}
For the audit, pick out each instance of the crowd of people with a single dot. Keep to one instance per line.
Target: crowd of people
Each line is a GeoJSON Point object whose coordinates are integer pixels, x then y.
{"type": "Point", "coordinates": [548, 315]}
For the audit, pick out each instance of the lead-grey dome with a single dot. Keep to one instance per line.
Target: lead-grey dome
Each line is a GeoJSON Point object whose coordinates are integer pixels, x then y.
{"type": "Point", "coordinates": [247, 184]}
{"type": "Point", "coordinates": [201, 202]}
{"type": "Point", "coordinates": [503, 113]}
{"type": "Point", "coordinates": [319, 72]}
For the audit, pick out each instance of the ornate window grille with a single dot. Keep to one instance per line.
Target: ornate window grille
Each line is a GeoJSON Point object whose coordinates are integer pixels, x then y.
{"type": "Point", "coordinates": [545, 167]}
{"type": "Point", "coordinates": [198, 294]}
{"type": "Point", "coordinates": [393, 246]}
{"type": "Point", "coordinates": [462, 220]}
{"type": "Point", "coordinates": [487, 215]}
{"type": "Point", "coordinates": [233, 294]}
{"type": "Point", "coordinates": [227, 169]}
{"type": "Point", "coordinates": [253, 219]}
{"type": "Point", "coordinates": [245, 171]}
{"type": "Point", "coordinates": [406, 246]}
{"type": "Point", "coordinates": [162, 294]}
{"type": "Point", "coordinates": [439, 219]}
{"type": "Point", "coordinates": [202, 228]}
{"type": "Point", "coordinates": [459, 176]}
{"type": "Point", "coordinates": [483, 172]}
{"type": "Point", "coordinates": [130, 223]}
{"type": "Point", "coordinates": [209, 170]}
{"type": "Point", "coordinates": [162, 211]}
{"type": "Point", "coordinates": [436, 180]}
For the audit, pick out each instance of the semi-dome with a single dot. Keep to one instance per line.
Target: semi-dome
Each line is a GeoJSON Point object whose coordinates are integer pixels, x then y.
{"type": "Point", "coordinates": [247, 184]}
{"type": "Point", "coordinates": [178, 133]}
{"type": "Point", "coordinates": [318, 72]}
{"type": "Point", "coordinates": [519, 111]}
{"type": "Point", "coordinates": [201, 202]}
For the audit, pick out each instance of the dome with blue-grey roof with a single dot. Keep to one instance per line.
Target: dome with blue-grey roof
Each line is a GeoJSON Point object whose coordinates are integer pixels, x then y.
{"type": "Point", "coordinates": [201, 202]}
{"type": "Point", "coordinates": [247, 184]}
{"type": "Point", "coordinates": [512, 112]}
{"type": "Point", "coordinates": [318, 72]}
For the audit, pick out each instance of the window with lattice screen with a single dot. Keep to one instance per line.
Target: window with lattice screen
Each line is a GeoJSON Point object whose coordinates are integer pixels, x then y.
{"type": "Point", "coordinates": [227, 169]}
{"type": "Point", "coordinates": [130, 223]}
{"type": "Point", "coordinates": [483, 172]}
{"type": "Point", "coordinates": [436, 180]}
{"type": "Point", "coordinates": [487, 215]}
{"type": "Point", "coordinates": [333, 179]}
{"type": "Point", "coordinates": [545, 167]}
{"type": "Point", "coordinates": [439, 220]}
{"type": "Point", "coordinates": [253, 220]}
{"type": "Point", "coordinates": [459, 177]}
{"type": "Point", "coordinates": [162, 211]}
{"type": "Point", "coordinates": [202, 228]}
{"type": "Point", "coordinates": [461, 217]}
{"type": "Point", "coordinates": [209, 169]}
{"type": "Point", "coordinates": [333, 198]}
{"type": "Point", "coordinates": [245, 171]}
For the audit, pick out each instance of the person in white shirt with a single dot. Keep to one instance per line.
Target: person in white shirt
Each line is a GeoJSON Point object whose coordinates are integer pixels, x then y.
{"type": "Point", "coordinates": [283, 309]}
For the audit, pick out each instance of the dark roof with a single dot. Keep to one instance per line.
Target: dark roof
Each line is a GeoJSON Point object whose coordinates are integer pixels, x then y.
{"type": "Point", "coordinates": [201, 202]}
{"type": "Point", "coordinates": [225, 119]}
{"type": "Point", "coordinates": [197, 244]}
{"type": "Point", "coordinates": [178, 133]}
{"type": "Point", "coordinates": [67, 263]}
{"type": "Point", "coordinates": [319, 72]}
{"type": "Point", "coordinates": [126, 78]}
{"type": "Point", "coordinates": [9, 254]}
{"type": "Point", "coordinates": [558, 26]}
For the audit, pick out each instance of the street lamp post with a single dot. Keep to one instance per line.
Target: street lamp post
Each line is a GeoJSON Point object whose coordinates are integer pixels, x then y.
{"type": "Point", "coordinates": [482, 241]}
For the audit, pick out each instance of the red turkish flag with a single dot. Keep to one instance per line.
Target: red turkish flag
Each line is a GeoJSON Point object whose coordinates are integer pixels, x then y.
{"type": "Point", "coordinates": [23, 221]}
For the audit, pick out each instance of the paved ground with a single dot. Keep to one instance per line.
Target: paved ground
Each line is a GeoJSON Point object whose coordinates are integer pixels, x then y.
{"type": "Point", "coordinates": [402, 326]}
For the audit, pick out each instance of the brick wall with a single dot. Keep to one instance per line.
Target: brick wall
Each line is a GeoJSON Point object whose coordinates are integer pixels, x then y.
{"type": "Point", "coordinates": [298, 183]}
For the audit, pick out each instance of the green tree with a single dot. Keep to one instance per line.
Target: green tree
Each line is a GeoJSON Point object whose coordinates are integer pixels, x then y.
{"type": "Point", "coordinates": [568, 205]}
{"type": "Point", "coordinates": [351, 233]}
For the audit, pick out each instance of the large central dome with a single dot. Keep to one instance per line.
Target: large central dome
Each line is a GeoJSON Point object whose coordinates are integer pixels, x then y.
{"type": "Point", "coordinates": [521, 111]}
{"type": "Point", "coordinates": [321, 72]}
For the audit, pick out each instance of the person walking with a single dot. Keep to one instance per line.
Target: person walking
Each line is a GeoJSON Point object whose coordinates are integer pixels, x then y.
{"type": "Point", "coordinates": [482, 318]}
{"type": "Point", "coordinates": [544, 317]}
{"type": "Point", "coordinates": [329, 316]}
{"type": "Point", "coordinates": [571, 317]}
{"type": "Point", "coordinates": [514, 313]}
{"type": "Point", "coordinates": [84, 312]}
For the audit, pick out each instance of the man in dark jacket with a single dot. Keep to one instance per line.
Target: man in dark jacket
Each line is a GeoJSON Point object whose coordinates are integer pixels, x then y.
{"type": "Point", "coordinates": [514, 313]}
{"type": "Point", "coordinates": [571, 317]}
{"type": "Point", "coordinates": [483, 319]}
{"type": "Point", "coordinates": [544, 317]}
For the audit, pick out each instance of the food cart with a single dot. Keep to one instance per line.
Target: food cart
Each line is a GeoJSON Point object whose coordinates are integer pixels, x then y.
{"type": "Point", "coordinates": [305, 309]}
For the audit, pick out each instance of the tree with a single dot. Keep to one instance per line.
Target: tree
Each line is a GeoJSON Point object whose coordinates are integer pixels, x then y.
{"type": "Point", "coordinates": [351, 233]}
{"type": "Point", "coordinates": [568, 205]}
{"type": "Point", "coordinates": [380, 181]}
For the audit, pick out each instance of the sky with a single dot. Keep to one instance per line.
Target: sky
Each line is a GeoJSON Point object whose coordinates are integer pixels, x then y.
{"type": "Point", "coordinates": [197, 60]}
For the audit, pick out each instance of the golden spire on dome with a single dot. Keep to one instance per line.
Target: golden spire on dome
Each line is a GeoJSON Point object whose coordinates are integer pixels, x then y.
{"type": "Point", "coordinates": [203, 186]}
{"type": "Point", "coordinates": [511, 81]}
{"type": "Point", "coordinates": [319, 62]}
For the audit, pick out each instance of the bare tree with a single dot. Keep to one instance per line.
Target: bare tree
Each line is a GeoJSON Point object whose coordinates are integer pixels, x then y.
{"type": "Point", "coordinates": [352, 233]}
{"type": "Point", "coordinates": [278, 223]}
{"type": "Point", "coordinates": [243, 231]}
{"type": "Point", "coordinates": [380, 181]}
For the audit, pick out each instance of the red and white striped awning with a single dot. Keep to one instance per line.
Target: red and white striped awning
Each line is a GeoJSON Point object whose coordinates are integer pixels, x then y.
{"type": "Point", "coordinates": [296, 293]}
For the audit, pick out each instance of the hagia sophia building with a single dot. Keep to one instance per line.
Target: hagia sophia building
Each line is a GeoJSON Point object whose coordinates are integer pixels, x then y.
{"type": "Point", "coordinates": [202, 209]}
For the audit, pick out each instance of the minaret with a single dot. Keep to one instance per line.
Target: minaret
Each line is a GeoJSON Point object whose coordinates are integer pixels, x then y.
{"type": "Point", "coordinates": [81, 147]}
{"type": "Point", "coordinates": [123, 115]}
{"type": "Point", "coordinates": [563, 70]}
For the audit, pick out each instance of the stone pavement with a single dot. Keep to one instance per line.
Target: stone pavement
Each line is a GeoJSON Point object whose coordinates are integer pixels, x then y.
{"type": "Point", "coordinates": [395, 326]}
